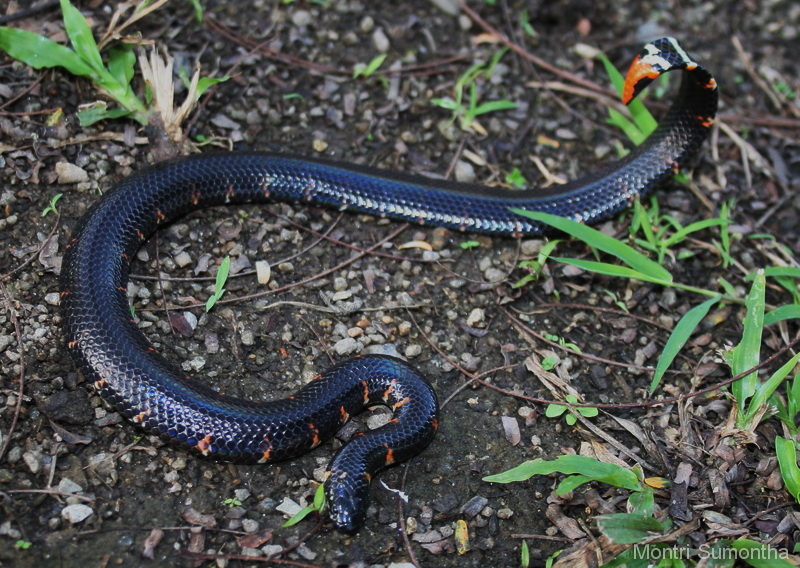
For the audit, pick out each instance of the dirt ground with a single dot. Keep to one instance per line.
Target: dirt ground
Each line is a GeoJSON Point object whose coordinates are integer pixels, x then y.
{"type": "Point", "coordinates": [451, 310]}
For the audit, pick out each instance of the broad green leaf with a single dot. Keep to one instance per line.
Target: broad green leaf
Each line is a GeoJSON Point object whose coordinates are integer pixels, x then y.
{"type": "Point", "coordinates": [642, 502]}
{"type": "Point", "coordinates": [90, 114]}
{"type": "Point", "coordinates": [787, 462]}
{"type": "Point", "coordinates": [598, 240]}
{"type": "Point", "coordinates": [80, 35]}
{"type": "Point", "coordinates": [41, 53]}
{"type": "Point", "coordinates": [121, 63]}
{"type": "Point", "coordinates": [205, 82]}
{"type": "Point", "coordinates": [678, 338]}
{"type": "Point", "coordinates": [612, 474]}
{"type": "Point", "coordinates": [630, 528]}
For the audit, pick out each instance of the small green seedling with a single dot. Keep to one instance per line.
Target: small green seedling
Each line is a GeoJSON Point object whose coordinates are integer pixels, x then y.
{"type": "Point", "coordinates": [556, 410]}
{"type": "Point", "coordinates": [51, 207]}
{"type": "Point", "coordinates": [516, 179]}
{"type": "Point", "coordinates": [317, 507]}
{"type": "Point", "coordinates": [232, 502]}
{"type": "Point", "coordinates": [22, 545]}
{"type": "Point", "coordinates": [366, 70]}
{"type": "Point", "coordinates": [466, 114]}
{"type": "Point", "coordinates": [219, 284]}
{"type": "Point", "coordinates": [467, 245]}
{"type": "Point", "coordinates": [562, 342]}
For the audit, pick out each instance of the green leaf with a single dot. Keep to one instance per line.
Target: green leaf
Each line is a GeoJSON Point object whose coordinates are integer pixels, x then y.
{"type": "Point", "coordinates": [765, 389]}
{"type": "Point", "coordinates": [219, 284]}
{"type": "Point", "coordinates": [634, 134]}
{"type": "Point", "coordinates": [610, 269]}
{"type": "Point", "coordinates": [760, 555]}
{"type": "Point", "coordinates": [493, 106]}
{"type": "Point", "coordinates": [41, 53]}
{"type": "Point", "coordinates": [299, 516]}
{"type": "Point", "coordinates": [89, 114]}
{"type": "Point", "coordinates": [121, 63]}
{"type": "Point", "coordinates": [593, 469]}
{"type": "Point", "coordinates": [678, 338]}
{"type": "Point", "coordinates": [746, 355]}
{"type": "Point", "coordinates": [80, 35]}
{"type": "Point", "coordinates": [787, 462]}
{"type": "Point", "coordinates": [598, 240]}
{"type": "Point", "coordinates": [204, 83]}
{"type": "Point", "coordinates": [630, 528]}
{"type": "Point", "coordinates": [642, 502]}
{"type": "Point", "coordinates": [642, 117]}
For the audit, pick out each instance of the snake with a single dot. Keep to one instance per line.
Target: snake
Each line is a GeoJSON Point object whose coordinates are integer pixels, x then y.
{"type": "Point", "coordinates": [156, 394]}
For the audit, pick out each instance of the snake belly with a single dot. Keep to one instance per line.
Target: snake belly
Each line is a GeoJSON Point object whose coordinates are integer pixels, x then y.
{"type": "Point", "coordinates": [156, 394]}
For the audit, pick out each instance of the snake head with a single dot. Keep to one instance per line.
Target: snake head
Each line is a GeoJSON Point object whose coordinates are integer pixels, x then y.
{"type": "Point", "coordinates": [346, 494]}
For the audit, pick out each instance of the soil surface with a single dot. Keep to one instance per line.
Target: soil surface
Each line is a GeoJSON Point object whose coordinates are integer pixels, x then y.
{"type": "Point", "coordinates": [452, 310]}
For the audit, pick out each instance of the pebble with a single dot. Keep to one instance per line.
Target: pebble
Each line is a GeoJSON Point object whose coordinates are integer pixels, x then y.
{"type": "Point", "coordinates": [494, 275]}
{"type": "Point", "coordinates": [53, 298]}
{"type": "Point", "coordinates": [33, 460]}
{"type": "Point", "coordinates": [346, 346]}
{"type": "Point", "coordinates": [76, 513]}
{"type": "Point", "coordinates": [301, 18]}
{"type": "Point", "coordinates": [249, 525]}
{"type": "Point", "coordinates": [288, 507]}
{"type": "Point", "coordinates": [70, 173]}
{"type": "Point", "coordinates": [413, 350]}
{"type": "Point", "coordinates": [476, 316]}
{"type": "Point", "coordinates": [380, 40]}
{"type": "Point", "coordinates": [378, 419]}
{"type": "Point", "coordinates": [183, 259]}
{"type": "Point", "coordinates": [66, 485]}
{"type": "Point", "coordinates": [464, 172]}
{"type": "Point", "coordinates": [474, 506]}
{"type": "Point", "coordinates": [449, 7]}
{"type": "Point", "coordinates": [505, 513]}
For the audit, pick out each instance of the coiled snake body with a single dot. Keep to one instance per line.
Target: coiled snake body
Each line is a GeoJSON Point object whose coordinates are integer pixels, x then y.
{"type": "Point", "coordinates": [156, 394]}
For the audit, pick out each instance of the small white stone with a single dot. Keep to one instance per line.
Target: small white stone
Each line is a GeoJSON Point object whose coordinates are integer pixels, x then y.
{"type": "Point", "coordinates": [345, 346]}
{"type": "Point", "coordinates": [66, 485]}
{"type": "Point", "coordinates": [76, 513]}
{"type": "Point", "coordinates": [288, 507]}
{"type": "Point", "coordinates": [53, 298]}
{"type": "Point", "coordinates": [70, 173]}
{"type": "Point", "coordinates": [380, 40]}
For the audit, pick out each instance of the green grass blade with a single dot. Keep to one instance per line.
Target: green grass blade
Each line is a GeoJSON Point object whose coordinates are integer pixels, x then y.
{"type": "Point", "coordinates": [41, 53]}
{"type": "Point", "coordinates": [642, 118]}
{"type": "Point", "coordinates": [747, 354]}
{"type": "Point", "coordinates": [598, 240]}
{"type": "Point", "coordinates": [591, 468]}
{"type": "Point", "coordinates": [610, 269]}
{"type": "Point", "coordinates": [791, 311]}
{"type": "Point", "coordinates": [633, 132]}
{"type": "Point", "coordinates": [765, 389]}
{"type": "Point", "coordinates": [678, 338]}
{"type": "Point", "coordinates": [681, 234]}
{"type": "Point", "coordinates": [80, 35]}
